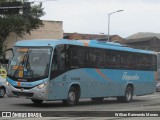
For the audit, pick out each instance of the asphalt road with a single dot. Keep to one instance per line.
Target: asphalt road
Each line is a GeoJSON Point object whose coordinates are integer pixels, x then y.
{"type": "Point", "coordinates": [140, 103]}
{"type": "Point", "coordinates": [146, 102]}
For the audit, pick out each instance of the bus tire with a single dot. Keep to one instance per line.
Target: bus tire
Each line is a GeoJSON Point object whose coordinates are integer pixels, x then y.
{"type": "Point", "coordinates": [73, 97]}
{"type": "Point", "coordinates": [36, 101]}
{"type": "Point", "coordinates": [2, 92]}
{"type": "Point", "coordinates": [97, 99]}
{"type": "Point", "coordinates": [128, 95]}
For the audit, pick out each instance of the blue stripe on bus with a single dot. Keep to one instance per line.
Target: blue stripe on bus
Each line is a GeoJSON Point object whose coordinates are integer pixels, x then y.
{"type": "Point", "coordinates": [94, 75]}
{"type": "Point", "coordinates": [117, 75]}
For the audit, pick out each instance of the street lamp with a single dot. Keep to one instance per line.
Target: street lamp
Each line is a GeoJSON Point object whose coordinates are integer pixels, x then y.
{"type": "Point", "coordinates": [109, 20]}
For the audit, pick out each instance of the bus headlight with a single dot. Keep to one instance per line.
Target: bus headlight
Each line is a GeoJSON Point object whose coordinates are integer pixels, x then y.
{"type": "Point", "coordinates": [42, 85]}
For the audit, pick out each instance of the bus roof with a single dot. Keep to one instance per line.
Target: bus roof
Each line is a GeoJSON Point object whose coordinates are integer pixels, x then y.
{"type": "Point", "coordinates": [89, 43]}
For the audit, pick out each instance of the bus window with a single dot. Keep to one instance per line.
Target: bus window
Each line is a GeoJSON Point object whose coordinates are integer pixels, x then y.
{"type": "Point", "coordinates": [54, 61]}
{"type": "Point", "coordinates": [58, 62]}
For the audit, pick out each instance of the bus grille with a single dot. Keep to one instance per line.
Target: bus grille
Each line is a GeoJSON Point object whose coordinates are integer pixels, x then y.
{"type": "Point", "coordinates": [22, 94]}
{"type": "Point", "coordinates": [27, 88]}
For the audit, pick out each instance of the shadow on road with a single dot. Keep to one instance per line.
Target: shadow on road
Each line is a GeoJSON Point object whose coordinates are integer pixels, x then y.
{"type": "Point", "coordinates": [54, 104]}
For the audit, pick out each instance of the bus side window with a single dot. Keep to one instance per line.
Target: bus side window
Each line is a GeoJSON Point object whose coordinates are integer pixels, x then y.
{"type": "Point", "coordinates": [58, 61]}
{"type": "Point", "coordinates": [74, 61]}
{"type": "Point", "coordinates": [154, 62]}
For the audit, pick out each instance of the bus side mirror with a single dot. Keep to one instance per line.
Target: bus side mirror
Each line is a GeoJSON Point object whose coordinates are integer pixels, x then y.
{"type": "Point", "coordinates": [4, 61]}
{"type": "Point", "coordinates": [4, 58]}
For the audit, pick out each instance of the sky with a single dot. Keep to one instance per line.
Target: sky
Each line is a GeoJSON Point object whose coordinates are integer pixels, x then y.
{"type": "Point", "coordinates": [91, 16]}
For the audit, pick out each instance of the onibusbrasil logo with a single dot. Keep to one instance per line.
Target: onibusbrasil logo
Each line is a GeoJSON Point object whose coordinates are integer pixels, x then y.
{"type": "Point", "coordinates": [21, 114]}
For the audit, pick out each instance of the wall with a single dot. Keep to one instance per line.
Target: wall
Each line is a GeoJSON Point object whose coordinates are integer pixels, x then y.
{"type": "Point", "coordinates": [50, 30]}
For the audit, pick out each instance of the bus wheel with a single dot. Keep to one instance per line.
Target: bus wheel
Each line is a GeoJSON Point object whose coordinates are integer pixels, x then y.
{"type": "Point", "coordinates": [98, 99]}
{"type": "Point", "coordinates": [128, 95]}
{"type": "Point", "coordinates": [73, 97]}
{"type": "Point", "coordinates": [2, 92]}
{"type": "Point", "coordinates": [36, 101]}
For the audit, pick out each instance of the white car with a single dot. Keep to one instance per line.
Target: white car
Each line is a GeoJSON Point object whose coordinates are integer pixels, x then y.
{"type": "Point", "coordinates": [2, 87]}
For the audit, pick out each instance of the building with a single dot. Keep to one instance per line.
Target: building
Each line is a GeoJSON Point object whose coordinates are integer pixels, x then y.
{"type": "Point", "coordinates": [79, 36]}
{"type": "Point", "coordinates": [150, 43]}
{"type": "Point", "coordinates": [50, 30]}
{"type": "Point", "coordinates": [147, 41]}
{"type": "Point", "coordinates": [143, 35]}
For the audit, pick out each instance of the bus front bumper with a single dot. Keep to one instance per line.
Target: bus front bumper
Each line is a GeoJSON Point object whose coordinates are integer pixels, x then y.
{"type": "Point", "coordinates": [33, 93]}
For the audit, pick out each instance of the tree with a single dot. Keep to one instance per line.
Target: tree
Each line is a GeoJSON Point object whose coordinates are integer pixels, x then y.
{"type": "Point", "coordinates": [19, 24]}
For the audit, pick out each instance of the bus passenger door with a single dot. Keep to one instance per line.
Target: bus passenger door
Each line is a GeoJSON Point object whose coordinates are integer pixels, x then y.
{"type": "Point", "coordinates": [57, 87]}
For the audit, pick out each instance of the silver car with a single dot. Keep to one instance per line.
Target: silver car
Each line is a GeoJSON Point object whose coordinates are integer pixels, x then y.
{"type": "Point", "coordinates": [158, 86]}
{"type": "Point", "coordinates": [2, 87]}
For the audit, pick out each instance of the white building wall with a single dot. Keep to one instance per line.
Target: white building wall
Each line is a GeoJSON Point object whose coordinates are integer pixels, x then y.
{"type": "Point", "coordinates": [50, 30]}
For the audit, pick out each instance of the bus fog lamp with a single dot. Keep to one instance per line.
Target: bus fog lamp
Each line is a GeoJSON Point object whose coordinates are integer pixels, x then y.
{"type": "Point", "coordinates": [42, 85]}
{"type": "Point", "coordinates": [8, 84]}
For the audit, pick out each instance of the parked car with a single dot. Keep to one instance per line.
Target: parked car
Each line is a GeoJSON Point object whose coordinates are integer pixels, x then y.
{"type": "Point", "coordinates": [2, 82]}
{"type": "Point", "coordinates": [3, 73]}
{"type": "Point", "coordinates": [158, 86]}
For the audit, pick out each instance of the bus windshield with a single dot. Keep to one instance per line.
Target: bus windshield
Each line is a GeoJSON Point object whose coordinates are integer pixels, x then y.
{"type": "Point", "coordinates": [30, 63]}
